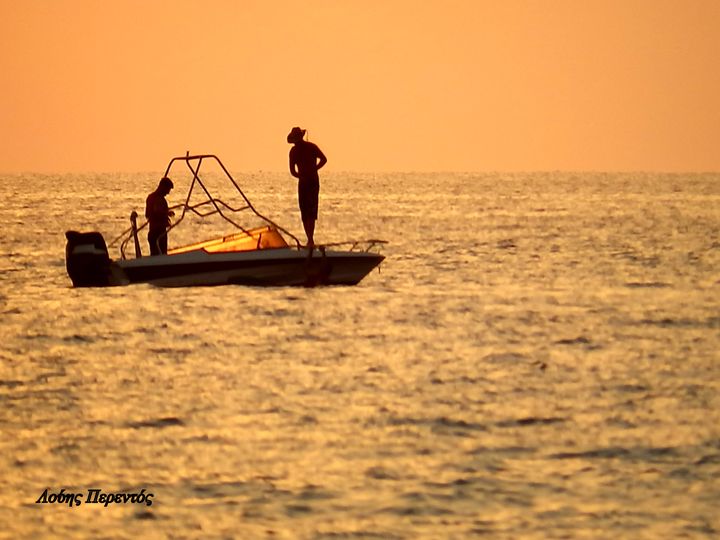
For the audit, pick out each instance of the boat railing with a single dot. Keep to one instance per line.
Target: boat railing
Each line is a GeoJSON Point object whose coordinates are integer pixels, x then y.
{"type": "Point", "coordinates": [356, 245]}
{"type": "Point", "coordinates": [128, 234]}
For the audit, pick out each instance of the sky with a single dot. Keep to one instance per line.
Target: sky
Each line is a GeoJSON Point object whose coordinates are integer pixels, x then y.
{"type": "Point", "coordinates": [380, 85]}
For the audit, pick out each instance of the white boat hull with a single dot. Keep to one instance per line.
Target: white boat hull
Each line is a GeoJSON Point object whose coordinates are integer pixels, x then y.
{"type": "Point", "coordinates": [273, 267]}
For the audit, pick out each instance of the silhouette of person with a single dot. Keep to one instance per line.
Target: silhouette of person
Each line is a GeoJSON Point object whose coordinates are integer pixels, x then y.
{"type": "Point", "coordinates": [158, 215]}
{"type": "Point", "coordinates": [305, 161]}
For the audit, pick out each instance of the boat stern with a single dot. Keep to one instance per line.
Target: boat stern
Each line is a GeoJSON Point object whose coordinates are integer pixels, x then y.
{"type": "Point", "coordinates": [88, 263]}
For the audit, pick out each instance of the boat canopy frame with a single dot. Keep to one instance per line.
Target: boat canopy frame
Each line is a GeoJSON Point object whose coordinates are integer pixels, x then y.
{"type": "Point", "coordinates": [194, 162]}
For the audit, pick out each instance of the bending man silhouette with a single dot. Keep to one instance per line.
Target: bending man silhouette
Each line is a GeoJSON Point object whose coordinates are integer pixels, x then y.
{"type": "Point", "coordinates": [158, 216]}
{"type": "Point", "coordinates": [305, 161]}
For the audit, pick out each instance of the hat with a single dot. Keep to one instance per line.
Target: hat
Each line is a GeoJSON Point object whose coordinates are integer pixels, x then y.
{"type": "Point", "coordinates": [295, 135]}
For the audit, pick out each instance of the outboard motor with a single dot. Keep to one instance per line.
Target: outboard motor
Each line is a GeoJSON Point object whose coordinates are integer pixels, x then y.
{"type": "Point", "coordinates": [87, 260]}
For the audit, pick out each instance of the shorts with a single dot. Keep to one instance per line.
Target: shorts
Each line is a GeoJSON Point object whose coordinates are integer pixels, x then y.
{"type": "Point", "coordinates": [158, 241]}
{"type": "Point", "coordinates": [308, 191]}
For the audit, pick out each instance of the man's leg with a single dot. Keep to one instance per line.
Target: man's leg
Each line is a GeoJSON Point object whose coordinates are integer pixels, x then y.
{"type": "Point", "coordinates": [309, 225]}
{"type": "Point", "coordinates": [163, 242]}
{"type": "Point", "coordinates": [153, 243]}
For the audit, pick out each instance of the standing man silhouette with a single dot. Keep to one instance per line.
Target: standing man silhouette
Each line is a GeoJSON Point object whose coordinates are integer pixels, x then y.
{"type": "Point", "coordinates": [158, 215]}
{"type": "Point", "coordinates": [305, 161]}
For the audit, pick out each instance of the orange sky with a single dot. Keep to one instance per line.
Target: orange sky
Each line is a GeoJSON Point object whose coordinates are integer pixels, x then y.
{"type": "Point", "coordinates": [94, 85]}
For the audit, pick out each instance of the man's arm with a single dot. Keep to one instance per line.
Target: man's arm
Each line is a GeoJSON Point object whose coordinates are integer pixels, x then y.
{"type": "Point", "coordinates": [151, 208]}
{"type": "Point", "coordinates": [322, 158]}
{"type": "Point", "coordinates": [159, 210]}
{"type": "Point", "coordinates": [293, 166]}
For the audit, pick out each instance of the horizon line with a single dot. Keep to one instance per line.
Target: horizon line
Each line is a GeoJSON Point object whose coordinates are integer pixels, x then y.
{"type": "Point", "coordinates": [382, 171]}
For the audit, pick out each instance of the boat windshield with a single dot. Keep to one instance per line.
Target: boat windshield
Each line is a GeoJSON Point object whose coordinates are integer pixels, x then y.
{"type": "Point", "coordinates": [262, 238]}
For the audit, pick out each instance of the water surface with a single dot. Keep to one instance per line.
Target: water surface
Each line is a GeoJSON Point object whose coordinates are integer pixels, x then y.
{"type": "Point", "coordinates": [536, 358]}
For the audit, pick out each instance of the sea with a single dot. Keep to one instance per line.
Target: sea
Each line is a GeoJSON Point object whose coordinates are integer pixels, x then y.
{"type": "Point", "coordinates": [537, 357]}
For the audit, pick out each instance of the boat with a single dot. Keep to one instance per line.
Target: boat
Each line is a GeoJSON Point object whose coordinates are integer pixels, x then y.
{"type": "Point", "coordinates": [264, 255]}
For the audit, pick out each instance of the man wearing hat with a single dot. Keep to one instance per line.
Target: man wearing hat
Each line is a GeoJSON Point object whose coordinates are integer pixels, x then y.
{"type": "Point", "coordinates": [305, 161]}
{"type": "Point", "coordinates": [158, 215]}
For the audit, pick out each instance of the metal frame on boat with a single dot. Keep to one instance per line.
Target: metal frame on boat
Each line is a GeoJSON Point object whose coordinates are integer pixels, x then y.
{"type": "Point", "coordinates": [248, 256]}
